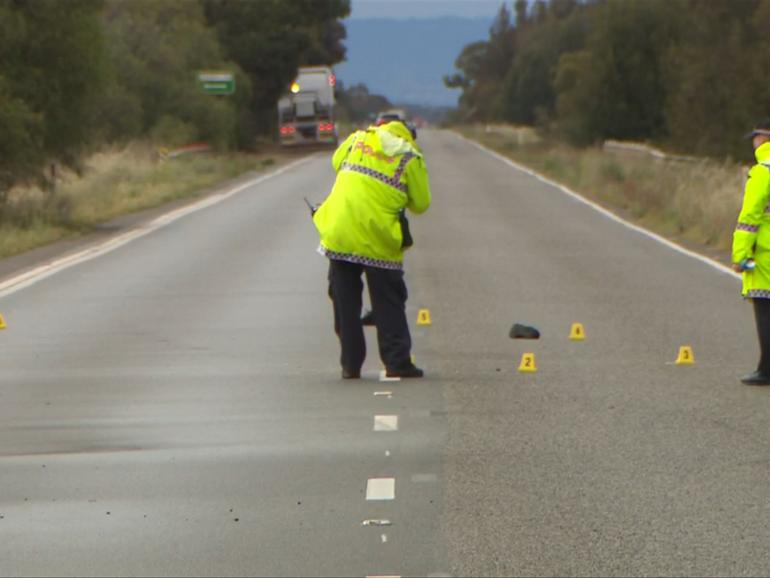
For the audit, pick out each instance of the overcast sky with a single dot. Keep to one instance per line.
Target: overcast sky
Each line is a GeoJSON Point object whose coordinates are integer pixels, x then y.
{"type": "Point", "coordinates": [425, 8]}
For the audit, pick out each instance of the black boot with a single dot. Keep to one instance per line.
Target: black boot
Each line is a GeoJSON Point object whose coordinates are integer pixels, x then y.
{"type": "Point", "coordinates": [408, 371]}
{"type": "Point", "coordinates": [756, 378]}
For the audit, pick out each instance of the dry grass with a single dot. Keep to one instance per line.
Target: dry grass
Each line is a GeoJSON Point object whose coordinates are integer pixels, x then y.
{"type": "Point", "coordinates": [114, 182]}
{"type": "Point", "coordinates": [693, 201]}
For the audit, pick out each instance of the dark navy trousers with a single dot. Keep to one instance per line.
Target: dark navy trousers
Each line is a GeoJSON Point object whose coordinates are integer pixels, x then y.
{"type": "Point", "coordinates": [762, 316]}
{"type": "Point", "coordinates": [387, 292]}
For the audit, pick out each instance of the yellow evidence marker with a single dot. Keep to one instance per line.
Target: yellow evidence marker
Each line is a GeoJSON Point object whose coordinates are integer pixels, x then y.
{"type": "Point", "coordinates": [423, 317]}
{"type": "Point", "coordinates": [577, 333]}
{"type": "Point", "coordinates": [686, 356]}
{"type": "Point", "coordinates": [527, 364]}
{"type": "Point", "coordinates": [2, 322]}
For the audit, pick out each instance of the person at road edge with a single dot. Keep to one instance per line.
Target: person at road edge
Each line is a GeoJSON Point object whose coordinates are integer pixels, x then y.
{"type": "Point", "coordinates": [751, 248]}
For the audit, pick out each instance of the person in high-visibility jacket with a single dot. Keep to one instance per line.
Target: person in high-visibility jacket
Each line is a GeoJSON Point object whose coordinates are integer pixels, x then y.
{"type": "Point", "coordinates": [380, 172]}
{"type": "Point", "coordinates": [751, 248]}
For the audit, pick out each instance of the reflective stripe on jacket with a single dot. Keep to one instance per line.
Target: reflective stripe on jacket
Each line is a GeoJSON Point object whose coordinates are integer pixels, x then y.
{"type": "Point", "coordinates": [751, 239]}
{"type": "Point", "coordinates": [380, 171]}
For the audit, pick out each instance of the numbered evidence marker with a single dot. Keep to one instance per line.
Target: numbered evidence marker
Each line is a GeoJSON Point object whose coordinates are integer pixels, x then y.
{"type": "Point", "coordinates": [527, 364]}
{"type": "Point", "coordinates": [2, 322]}
{"type": "Point", "coordinates": [686, 356]}
{"type": "Point", "coordinates": [577, 333]}
{"type": "Point", "coordinates": [423, 317]}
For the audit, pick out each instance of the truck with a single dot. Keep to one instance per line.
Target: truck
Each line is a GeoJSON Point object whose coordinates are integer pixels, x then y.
{"type": "Point", "coordinates": [306, 111]}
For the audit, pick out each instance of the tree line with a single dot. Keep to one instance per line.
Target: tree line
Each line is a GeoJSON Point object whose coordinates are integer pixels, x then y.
{"type": "Point", "coordinates": [690, 74]}
{"type": "Point", "coordinates": [78, 74]}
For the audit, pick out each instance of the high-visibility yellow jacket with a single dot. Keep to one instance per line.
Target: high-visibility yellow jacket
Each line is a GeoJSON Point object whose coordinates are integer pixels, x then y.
{"type": "Point", "coordinates": [751, 239]}
{"type": "Point", "coordinates": [380, 171]}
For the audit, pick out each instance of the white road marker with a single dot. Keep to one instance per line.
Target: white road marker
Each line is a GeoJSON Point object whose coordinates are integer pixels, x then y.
{"type": "Point", "coordinates": [387, 394]}
{"type": "Point", "coordinates": [28, 278]}
{"type": "Point", "coordinates": [381, 489]}
{"type": "Point", "coordinates": [384, 538]}
{"type": "Point", "coordinates": [384, 377]}
{"type": "Point", "coordinates": [377, 523]}
{"type": "Point", "coordinates": [387, 453]}
{"type": "Point", "coordinates": [385, 423]}
{"type": "Point", "coordinates": [609, 214]}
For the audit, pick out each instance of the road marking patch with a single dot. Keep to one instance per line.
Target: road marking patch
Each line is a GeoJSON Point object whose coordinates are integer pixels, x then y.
{"type": "Point", "coordinates": [381, 489]}
{"type": "Point", "coordinates": [385, 423]}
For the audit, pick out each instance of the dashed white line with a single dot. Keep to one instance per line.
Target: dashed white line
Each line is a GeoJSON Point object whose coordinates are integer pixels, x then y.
{"type": "Point", "coordinates": [381, 489]}
{"type": "Point", "coordinates": [385, 423]}
{"type": "Point", "coordinates": [424, 478]}
{"type": "Point", "coordinates": [377, 523]}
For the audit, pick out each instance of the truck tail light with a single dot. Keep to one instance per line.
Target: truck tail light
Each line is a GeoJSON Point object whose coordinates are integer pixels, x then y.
{"type": "Point", "coordinates": [326, 127]}
{"type": "Point", "coordinates": [287, 130]}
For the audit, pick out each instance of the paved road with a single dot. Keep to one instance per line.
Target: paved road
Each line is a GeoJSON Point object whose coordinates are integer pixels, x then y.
{"type": "Point", "coordinates": [174, 407]}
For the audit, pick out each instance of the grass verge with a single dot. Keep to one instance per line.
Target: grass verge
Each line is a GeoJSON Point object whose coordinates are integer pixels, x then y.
{"type": "Point", "coordinates": [695, 203]}
{"type": "Point", "coordinates": [114, 183]}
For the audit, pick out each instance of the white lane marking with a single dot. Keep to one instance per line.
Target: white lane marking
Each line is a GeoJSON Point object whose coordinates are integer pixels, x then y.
{"type": "Point", "coordinates": [377, 523]}
{"type": "Point", "coordinates": [387, 394]}
{"type": "Point", "coordinates": [610, 215]}
{"type": "Point", "coordinates": [424, 478]}
{"type": "Point", "coordinates": [385, 423]}
{"type": "Point", "coordinates": [37, 274]}
{"type": "Point", "coordinates": [384, 377]}
{"type": "Point", "coordinates": [387, 453]}
{"type": "Point", "coordinates": [384, 538]}
{"type": "Point", "coordinates": [381, 489]}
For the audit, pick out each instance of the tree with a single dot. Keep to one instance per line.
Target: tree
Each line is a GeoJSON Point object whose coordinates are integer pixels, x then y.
{"type": "Point", "coordinates": [718, 89]}
{"type": "Point", "coordinates": [358, 104]}
{"type": "Point", "coordinates": [529, 95]}
{"type": "Point", "coordinates": [156, 49]}
{"type": "Point", "coordinates": [270, 39]}
{"type": "Point", "coordinates": [482, 68]}
{"type": "Point", "coordinates": [616, 86]}
{"type": "Point", "coordinates": [51, 73]}
{"type": "Point", "coordinates": [55, 57]}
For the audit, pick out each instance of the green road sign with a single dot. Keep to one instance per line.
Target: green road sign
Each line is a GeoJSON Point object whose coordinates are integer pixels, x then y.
{"type": "Point", "coordinates": [217, 82]}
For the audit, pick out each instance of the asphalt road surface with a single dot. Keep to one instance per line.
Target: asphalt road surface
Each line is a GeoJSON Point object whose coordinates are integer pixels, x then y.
{"type": "Point", "coordinates": [174, 406]}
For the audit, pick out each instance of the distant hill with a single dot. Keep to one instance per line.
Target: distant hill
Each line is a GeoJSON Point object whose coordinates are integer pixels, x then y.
{"type": "Point", "coordinates": [405, 60]}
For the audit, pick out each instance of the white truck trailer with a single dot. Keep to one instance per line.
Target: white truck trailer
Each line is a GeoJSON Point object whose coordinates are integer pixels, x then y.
{"type": "Point", "coordinates": [306, 112]}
